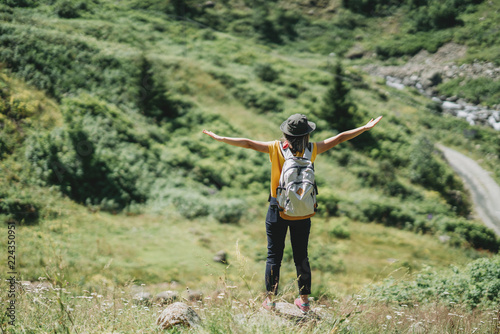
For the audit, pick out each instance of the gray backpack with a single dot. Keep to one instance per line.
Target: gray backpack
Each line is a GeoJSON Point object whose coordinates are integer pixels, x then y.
{"type": "Point", "coordinates": [296, 193]}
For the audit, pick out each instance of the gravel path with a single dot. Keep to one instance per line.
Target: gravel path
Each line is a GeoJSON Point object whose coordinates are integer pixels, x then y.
{"type": "Point", "coordinates": [484, 190]}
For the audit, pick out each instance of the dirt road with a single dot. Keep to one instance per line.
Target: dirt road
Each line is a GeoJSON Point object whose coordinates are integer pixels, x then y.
{"type": "Point", "coordinates": [484, 190]}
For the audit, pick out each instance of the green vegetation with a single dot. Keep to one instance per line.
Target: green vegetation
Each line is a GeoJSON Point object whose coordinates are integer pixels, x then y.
{"type": "Point", "coordinates": [110, 181]}
{"type": "Point", "coordinates": [478, 91]}
{"type": "Point", "coordinates": [478, 284]}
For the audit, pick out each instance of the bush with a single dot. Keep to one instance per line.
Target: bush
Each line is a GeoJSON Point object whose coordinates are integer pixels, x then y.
{"type": "Point", "coordinates": [99, 157]}
{"type": "Point", "coordinates": [340, 231]}
{"type": "Point", "coordinates": [19, 210]}
{"type": "Point", "coordinates": [424, 168]}
{"type": "Point", "coordinates": [475, 234]}
{"type": "Point", "coordinates": [259, 98]}
{"type": "Point", "coordinates": [191, 204]}
{"type": "Point", "coordinates": [478, 91]}
{"type": "Point", "coordinates": [64, 64]}
{"type": "Point", "coordinates": [411, 44]}
{"type": "Point", "coordinates": [477, 285]}
{"type": "Point", "coordinates": [266, 72]}
{"type": "Point", "coordinates": [386, 213]}
{"type": "Point", "coordinates": [327, 203]}
{"type": "Point", "coordinates": [228, 211]}
{"type": "Point", "coordinates": [70, 9]}
{"type": "Point", "coordinates": [434, 14]}
{"type": "Point", "coordinates": [19, 3]}
{"type": "Point", "coordinates": [372, 7]}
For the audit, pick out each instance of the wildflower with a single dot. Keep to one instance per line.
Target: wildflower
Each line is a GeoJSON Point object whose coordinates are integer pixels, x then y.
{"type": "Point", "coordinates": [388, 317]}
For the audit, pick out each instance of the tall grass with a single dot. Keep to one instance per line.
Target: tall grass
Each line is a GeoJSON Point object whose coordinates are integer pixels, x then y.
{"type": "Point", "coordinates": [53, 305]}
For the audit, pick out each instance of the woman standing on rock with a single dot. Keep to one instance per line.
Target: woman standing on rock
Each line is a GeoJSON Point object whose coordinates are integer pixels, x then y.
{"type": "Point", "coordinates": [296, 130]}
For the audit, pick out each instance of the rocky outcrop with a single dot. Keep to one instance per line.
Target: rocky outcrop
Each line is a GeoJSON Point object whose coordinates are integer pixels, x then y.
{"type": "Point", "coordinates": [425, 71]}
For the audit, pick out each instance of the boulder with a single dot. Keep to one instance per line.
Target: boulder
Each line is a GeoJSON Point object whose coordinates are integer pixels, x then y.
{"type": "Point", "coordinates": [451, 105]}
{"type": "Point", "coordinates": [178, 314]}
{"type": "Point", "coordinates": [220, 256]}
{"type": "Point", "coordinates": [142, 298]}
{"type": "Point", "coordinates": [166, 297]}
{"type": "Point", "coordinates": [194, 295]}
{"type": "Point", "coordinates": [292, 312]}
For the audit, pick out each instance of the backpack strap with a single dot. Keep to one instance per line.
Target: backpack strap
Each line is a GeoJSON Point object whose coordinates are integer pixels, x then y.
{"type": "Point", "coordinates": [287, 152]}
{"type": "Point", "coordinates": [308, 152]}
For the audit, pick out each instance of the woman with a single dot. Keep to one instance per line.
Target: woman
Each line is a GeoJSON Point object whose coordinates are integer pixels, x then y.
{"type": "Point", "coordinates": [296, 130]}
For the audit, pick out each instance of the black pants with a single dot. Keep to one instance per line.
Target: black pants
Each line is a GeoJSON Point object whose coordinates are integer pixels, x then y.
{"type": "Point", "coordinates": [276, 229]}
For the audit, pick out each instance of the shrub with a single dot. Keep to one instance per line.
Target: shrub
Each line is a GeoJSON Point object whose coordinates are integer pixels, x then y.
{"type": "Point", "coordinates": [327, 203]}
{"type": "Point", "coordinates": [340, 231]}
{"type": "Point", "coordinates": [434, 14]}
{"type": "Point", "coordinates": [18, 209]}
{"type": "Point", "coordinates": [19, 3]}
{"type": "Point", "coordinates": [227, 211]}
{"type": "Point", "coordinates": [475, 234]}
{"type": "Point", "coordinates": [386, 213]}
{"type": "Point", "coordinates": [372, 7]}
{"type": "Point", "coordinates": [259, 98]}
{"type": "Point", "coordinates": [191, 204]}
{"type": "Point", "coordinates": [478, 91]}
{"type": "Point", "coordinates": [156, 99]}
{"type": "Point", "coordinates": [70, 9]}
{"type": "Point", "coordinates": [424, 167]}
{"type": "Point", "coordinates": [266, 72]}
{"type": "Point", "coordinates": [476, 285]}
{"type": "Point", "coordinates": [411, 43]}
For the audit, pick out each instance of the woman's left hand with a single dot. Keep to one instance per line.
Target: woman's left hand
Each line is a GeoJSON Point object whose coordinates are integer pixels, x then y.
{"type": "Point", "coordinates": [372, 123]}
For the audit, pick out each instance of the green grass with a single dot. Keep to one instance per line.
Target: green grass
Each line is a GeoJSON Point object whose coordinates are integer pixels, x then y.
{"type": "Point", "coordinates": [145, 204]}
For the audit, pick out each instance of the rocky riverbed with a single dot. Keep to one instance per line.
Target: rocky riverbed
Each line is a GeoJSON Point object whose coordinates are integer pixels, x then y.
{"type": "Point", "coordinates": [425, 71]}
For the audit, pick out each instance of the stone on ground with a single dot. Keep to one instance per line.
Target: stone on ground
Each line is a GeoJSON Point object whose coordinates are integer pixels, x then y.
{"type": "Point", "coordinates": [178, 314]}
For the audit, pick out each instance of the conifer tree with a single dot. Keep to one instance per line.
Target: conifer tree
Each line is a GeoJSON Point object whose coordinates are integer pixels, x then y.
{"type": "Point", "coordinates": [338, 109]}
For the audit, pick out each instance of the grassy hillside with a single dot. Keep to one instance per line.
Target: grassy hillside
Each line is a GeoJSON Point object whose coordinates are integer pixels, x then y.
{"type": "Point", "coordinates": [109, 179]}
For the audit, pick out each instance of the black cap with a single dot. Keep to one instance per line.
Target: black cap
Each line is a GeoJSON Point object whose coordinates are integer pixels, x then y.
{"type": "Point", "coordinates": [297, 125]}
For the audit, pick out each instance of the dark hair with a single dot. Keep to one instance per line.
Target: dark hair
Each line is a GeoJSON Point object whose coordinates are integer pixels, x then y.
{"type": "Point", "coordinates": [297, 143]}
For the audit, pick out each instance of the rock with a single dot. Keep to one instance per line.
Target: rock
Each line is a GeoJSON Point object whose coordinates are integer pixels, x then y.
{"type": "Point", "coordinates": [220, 256]}
{"type": "Point", "coordinates": [290, 311]}
{"type": "Point", "coordinates": [142, 298]}
{"type": "Point", "coordinates": [444, 238]}
{"type": "Point", "coordinates": [356, 52]}
{"type": "Point", "coordinates": [166, 297]}
{"type": "Point", "coordinates": [462, 114]}
{"type": "Point", "coordinates": [209, 4]}
{"type": "Point", "coordinates": [394, 82]}
{"type": "Point", "coordinates": [178, 314]}
{"type": "Point", "coordinates": [194, 295]}
{"type": "Point", "coordinates": [451, 105]}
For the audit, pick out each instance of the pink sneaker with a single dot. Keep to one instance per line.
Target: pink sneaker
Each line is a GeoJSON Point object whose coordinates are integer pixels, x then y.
{"type": "Point", "coordinates": [304, 307]}
{"type": "Point", "coordinates": [268, 305]}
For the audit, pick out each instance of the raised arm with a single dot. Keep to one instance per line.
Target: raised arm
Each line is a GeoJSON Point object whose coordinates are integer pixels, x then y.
{"type": "Point", "coordinates": [259, 146]}
{"type": "Point", "coordinates": [331, 142]}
